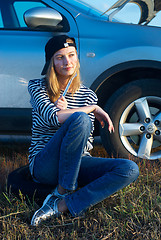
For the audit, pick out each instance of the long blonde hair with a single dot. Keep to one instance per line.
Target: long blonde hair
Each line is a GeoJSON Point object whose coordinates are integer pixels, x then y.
{"type": "Point", "coordinates": [53, 87]}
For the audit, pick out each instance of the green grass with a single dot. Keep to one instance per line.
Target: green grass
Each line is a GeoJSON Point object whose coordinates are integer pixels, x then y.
{"type": "Point", "coordinates": [132, 213]}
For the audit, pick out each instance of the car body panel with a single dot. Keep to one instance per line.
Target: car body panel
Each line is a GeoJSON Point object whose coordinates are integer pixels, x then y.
{"type": "Point", "coordinates": [108, 50]}
{"type": "Point", "coordinates": [102, 45]}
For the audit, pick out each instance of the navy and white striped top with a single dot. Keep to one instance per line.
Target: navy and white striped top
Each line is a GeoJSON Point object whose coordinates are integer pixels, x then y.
{"type": "Point", "coordinates": [44, 114]}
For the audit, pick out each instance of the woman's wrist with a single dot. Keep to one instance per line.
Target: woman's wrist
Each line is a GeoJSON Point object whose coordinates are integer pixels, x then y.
{"type": "Point", "coordinates": [95, 108]}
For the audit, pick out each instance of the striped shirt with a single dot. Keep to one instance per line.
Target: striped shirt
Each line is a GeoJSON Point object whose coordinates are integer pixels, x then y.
{"type": "Point", "coordinates": [44, 115]}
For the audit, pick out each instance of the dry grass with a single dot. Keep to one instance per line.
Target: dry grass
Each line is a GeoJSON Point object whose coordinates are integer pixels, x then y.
{"type": "Point", "coordinates": [132, 213]}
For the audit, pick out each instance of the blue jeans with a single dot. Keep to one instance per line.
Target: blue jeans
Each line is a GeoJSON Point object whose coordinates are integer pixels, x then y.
{"type": "Point", "coordinates": [94, 179]}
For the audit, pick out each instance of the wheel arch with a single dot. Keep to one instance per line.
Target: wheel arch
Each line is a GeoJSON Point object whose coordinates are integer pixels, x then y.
{"type": "Point", "coordinates": [117, 76]}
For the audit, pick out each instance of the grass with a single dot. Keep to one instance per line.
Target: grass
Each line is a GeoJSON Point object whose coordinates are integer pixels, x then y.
{"type": "Point", "coordinates": [132, 213]}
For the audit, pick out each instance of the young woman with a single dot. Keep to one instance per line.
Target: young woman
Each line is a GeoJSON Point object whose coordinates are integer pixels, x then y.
{"type": "Point", "coordinates": [62, 137]}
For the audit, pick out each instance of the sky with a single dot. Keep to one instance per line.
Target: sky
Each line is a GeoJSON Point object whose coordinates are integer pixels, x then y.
{"type": "Point", "coordinates": [130, 13]}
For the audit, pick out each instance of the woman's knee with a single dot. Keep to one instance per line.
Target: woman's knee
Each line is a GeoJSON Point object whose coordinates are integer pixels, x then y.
{"type": "Point", "coordinates": [128, 169]}
{"type": "Point", "coordinates": [133, 169]}
{"type": "Point", "coordinates": [82, 120]}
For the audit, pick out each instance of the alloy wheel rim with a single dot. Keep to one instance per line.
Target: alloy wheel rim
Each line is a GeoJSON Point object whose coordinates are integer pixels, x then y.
{"type": "Point", "coordinates": [140, 128]}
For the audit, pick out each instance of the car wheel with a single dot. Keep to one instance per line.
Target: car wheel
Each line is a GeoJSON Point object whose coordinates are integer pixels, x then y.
{"type": "Point", "coordinates": [135, 110]}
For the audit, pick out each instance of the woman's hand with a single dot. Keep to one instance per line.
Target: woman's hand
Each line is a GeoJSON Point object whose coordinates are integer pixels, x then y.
{"type": "Point", "coordinates": [61, 103]}
{"type": "Point", "coordinates": [103, 117]}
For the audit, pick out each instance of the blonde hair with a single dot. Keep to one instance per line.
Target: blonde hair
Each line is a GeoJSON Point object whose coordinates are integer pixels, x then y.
{"type": "Point", "coordinates": [53, 87]}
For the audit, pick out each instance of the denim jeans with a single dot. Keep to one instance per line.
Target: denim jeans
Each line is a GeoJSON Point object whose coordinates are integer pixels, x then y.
{"type": "Point", "coordinates": [93, 178]}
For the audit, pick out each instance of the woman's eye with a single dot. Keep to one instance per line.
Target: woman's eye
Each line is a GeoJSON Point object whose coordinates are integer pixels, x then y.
{"type": "Point", "coordinates": [72, 55]}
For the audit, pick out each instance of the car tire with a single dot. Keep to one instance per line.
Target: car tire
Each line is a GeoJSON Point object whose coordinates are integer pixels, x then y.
{"type": "Point", "coordinates": [135, 110]}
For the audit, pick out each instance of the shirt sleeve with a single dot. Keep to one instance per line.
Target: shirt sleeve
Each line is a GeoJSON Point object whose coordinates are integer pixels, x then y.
{"type": "Point", "coordinates": [42, 104]}
{"type": "Point", "coordinates": [92, 99]}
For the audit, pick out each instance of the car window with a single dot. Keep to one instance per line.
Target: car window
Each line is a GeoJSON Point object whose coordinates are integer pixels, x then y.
{"type": "Point", "coordinates": [21, 7]}
{"type": "Point", "coordinates": [11, 13]}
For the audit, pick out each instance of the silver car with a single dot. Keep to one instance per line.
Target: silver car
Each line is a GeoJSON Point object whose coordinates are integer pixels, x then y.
{"type": "Point", "coordinates": [121, 62]}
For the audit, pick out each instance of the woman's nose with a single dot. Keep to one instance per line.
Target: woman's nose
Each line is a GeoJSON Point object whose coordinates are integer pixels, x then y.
{"type": "Point", "coordinates": [66, 60]}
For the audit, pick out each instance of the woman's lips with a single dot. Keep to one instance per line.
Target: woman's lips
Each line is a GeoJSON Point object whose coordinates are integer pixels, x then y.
{"type": "Point", "coordinates": [68, 68]}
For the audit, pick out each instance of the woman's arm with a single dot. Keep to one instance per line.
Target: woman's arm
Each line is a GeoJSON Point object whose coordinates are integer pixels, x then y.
{"type": "Point", "coordinates": [65, 113]}
{"type": "Point", "coordinates": [41, 102]}
{"type": "Point", "coordinates": [99, 113]}
{"type": "Point", "coordinates": [103, 117]}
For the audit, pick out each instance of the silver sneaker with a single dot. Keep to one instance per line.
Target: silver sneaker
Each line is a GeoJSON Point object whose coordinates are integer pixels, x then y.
{"type": "Point", "coordinates": [48, 209]}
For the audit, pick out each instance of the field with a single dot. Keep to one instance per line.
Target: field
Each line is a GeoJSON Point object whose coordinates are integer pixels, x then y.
{"type": "Point", "coordinates": [132, 213]}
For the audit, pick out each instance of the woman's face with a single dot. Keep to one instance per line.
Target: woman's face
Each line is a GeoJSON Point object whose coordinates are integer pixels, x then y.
{"type": "Point", "coordinates": [65, 61]}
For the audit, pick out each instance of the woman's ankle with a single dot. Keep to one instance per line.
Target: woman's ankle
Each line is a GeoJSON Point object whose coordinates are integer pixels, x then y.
{"type": "Point", "coordinates": [61, 190]}
{"type": "Point", "coordinates": [62, 207]}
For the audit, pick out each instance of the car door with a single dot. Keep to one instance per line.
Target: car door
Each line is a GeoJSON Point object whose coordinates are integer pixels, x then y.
{"type": "Point", "coordinates": [22, 59]}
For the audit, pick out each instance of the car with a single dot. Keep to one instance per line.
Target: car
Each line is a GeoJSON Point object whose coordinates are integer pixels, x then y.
{"type": "Point", "coordinates": [120, 61]}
